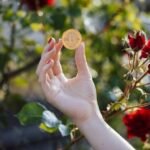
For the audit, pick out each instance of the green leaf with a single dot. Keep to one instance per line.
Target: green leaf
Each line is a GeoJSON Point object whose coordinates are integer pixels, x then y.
{"type": "Point", "coordinates": [8, 15]}
{"type": "Point", "coordinates": [36, 26]}
{"type": "Point", "coordinates": [137, 95]}
{"type": "Point", "coordinates": [21, 14]}
{"type": "Point", "coordinates": [117, 105]}
{"type": "Point", "coordinates": [141, 91]}
{"type": "Point", "coordinates": [51, 123]}
{"type": "Point", "coordinates": [45, 128]}
{"type": "Point", "coordinates": [31, 113]}
{"type": "Point", "coordinates": [38, 48]}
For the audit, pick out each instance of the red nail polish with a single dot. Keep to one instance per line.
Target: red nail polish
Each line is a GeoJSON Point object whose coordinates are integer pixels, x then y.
{"type": "Point", "coordinates": [49, 40]}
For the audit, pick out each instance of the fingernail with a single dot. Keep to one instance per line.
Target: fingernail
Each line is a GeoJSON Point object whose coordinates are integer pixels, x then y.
{"type": "Point", "coordinates": [49, 39]}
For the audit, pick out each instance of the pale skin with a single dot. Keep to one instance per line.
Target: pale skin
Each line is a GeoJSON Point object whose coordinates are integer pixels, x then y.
{"type": "Point", "coordinates": [76, 97]}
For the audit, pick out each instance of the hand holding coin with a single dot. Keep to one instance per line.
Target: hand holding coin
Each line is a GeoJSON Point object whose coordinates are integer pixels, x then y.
{"type": "Point", "coordinates": [71, 39]}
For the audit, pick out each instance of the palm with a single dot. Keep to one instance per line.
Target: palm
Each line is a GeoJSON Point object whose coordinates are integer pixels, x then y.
{"type": "Point", "coordinates": [72, 96]}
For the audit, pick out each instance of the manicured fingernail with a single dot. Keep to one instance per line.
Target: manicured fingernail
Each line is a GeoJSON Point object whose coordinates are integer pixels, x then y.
{"type": "Point", "coordinates": [49, 39]}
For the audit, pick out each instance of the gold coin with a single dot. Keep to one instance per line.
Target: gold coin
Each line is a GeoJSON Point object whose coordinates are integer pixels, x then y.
{"type": "Point", "coordinates": [71, 39]}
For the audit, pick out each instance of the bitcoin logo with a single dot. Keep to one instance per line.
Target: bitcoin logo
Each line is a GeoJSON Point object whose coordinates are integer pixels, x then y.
{"type": "Point", "coordinates": [71, 39]}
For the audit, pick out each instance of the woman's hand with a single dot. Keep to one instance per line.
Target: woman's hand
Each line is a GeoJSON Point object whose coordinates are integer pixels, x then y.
{"type": "Point", "coordinates": [75, 97]}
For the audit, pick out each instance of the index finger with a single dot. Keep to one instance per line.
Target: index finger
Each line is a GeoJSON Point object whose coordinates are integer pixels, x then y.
{"type": "Point", "coordinates": [49, 46]}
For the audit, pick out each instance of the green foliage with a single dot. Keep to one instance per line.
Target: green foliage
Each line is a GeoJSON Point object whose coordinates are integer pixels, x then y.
{"type": "Point", "coordinates": [24, 33]}
{"type": "Point", "coordinates": [3, 60]}
{"type": "Point", "coordinates": [35, 113]}
{"type": "Point", "coordinates": [137, 95]}
{"type": "Point", "coordinates": [121, 105]}
{"type": "Point", "coordinates": [58, 19]}
{"type": "Point", "coordinates": [47, 129]}
{"type": "Point", "coordinates": [31, 114]}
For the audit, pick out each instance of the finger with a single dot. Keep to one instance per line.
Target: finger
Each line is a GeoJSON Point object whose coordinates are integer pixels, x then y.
{"type": "Point", "coordinates": [44, 59]}
{"type": "Point", "coordinates": [44, 72]}
{"type": "Point", "coordinates": [49, 46]}
{"type": "Point", "coordinates": [81, 63]}
{"type": "Point", "coordinates": [59, 46]}
{"type": "Point", "coordinates": [62, 77]}
{"type": "Point", "coordinates": [57, 69]}
{"type": "Point", "coordinates": [50, 71]}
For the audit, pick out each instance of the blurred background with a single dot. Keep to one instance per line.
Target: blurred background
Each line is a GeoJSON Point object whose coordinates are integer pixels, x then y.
{"type": "Point", "coordinates": [26, 25]}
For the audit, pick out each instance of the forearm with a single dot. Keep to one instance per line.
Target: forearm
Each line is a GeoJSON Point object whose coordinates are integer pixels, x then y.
{"type": "Point", "coordinates": [101, 136]}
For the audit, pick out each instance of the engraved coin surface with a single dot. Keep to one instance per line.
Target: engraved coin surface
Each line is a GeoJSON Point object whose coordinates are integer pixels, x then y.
{"type": "Point", "coordinates": [71, 39]}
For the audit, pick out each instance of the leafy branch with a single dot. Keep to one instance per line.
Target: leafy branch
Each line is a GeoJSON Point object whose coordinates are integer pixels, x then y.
{"type": "Point", "coordinates": [9, 75]}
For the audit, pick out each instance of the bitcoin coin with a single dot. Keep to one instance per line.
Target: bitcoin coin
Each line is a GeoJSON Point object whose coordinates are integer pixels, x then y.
{"type": "Point", "coordinates": [71, 39]}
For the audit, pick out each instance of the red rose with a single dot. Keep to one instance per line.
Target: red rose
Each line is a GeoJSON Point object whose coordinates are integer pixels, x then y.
{"type": "Point", "coordinates": [146, 50]}
{"type": "Point", "coordinates": [37, 4]}
{"type": "Point", "coordinates": [137, 41]}
{"type": "Point", "coordinates": [138, 123]}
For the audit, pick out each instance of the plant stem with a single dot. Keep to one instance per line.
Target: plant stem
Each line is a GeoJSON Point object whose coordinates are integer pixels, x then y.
{"type": "Point", "coordinates": [144, 62]}
{"type": "Point", "coordinates": [133, 61]}
{"type": "Point", "coordinates": [12, 36]}
{"type": "Point", "coordinates": [9, 75]}
{"type": "Point", "coordinates": [131, 107]}
{"type": "Point", "coordinates": [138, 80]}
{"type": "Point", "coordinates": [142, 105]}
{"type": "Point", "coordinates": [73, 142]}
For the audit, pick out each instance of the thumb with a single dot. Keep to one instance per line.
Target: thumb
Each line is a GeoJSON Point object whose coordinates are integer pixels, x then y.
{"type": "Point", "coordinates": [81, 63]}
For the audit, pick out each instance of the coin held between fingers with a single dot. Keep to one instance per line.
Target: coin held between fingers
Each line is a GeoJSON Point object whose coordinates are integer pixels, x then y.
{"type": "Point", "coordinates": [71, 39]}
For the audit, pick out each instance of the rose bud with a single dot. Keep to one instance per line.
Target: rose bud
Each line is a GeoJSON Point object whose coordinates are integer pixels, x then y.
{"type": "Point", "coordinates": [137, 41]}
{"type": "Point", "coordinates": [146, 50]}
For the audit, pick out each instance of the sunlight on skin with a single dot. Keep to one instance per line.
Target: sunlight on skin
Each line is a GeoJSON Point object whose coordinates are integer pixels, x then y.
{"type": "Point", "coordinates": [77, 97]}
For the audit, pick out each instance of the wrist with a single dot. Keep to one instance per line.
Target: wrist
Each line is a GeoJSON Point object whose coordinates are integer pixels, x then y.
{"type": "Point", "coordinates": [100, 135]}
{"type": "Point", "coordinates": [94, 118]}
{"type": "Point", "coordinates": [93, 129]}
